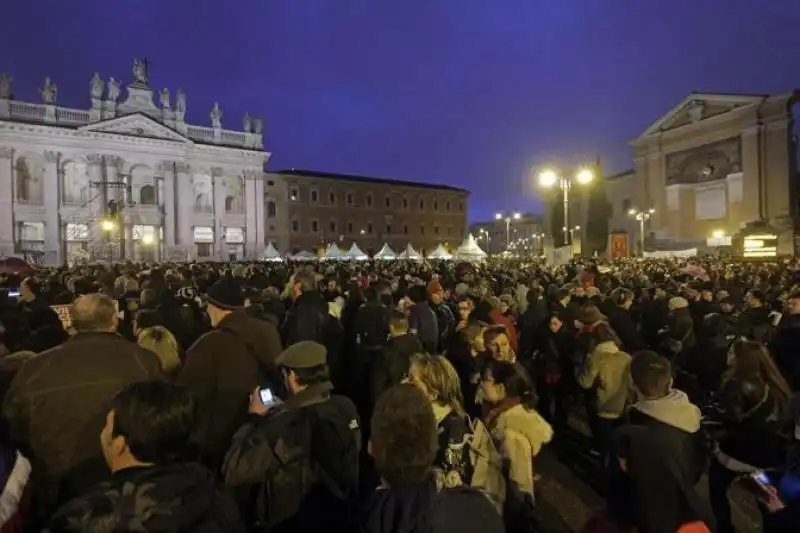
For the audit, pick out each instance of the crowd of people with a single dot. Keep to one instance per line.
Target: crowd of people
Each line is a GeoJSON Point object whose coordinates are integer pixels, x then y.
{"type": "Point", "coordinates": [396, 397]}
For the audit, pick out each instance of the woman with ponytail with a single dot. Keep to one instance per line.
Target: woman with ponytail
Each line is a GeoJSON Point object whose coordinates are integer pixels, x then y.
{"type": "Point", "coordinates": [518, 430]}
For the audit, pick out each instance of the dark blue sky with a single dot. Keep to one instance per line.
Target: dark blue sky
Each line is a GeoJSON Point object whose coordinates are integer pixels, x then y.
{"type": "Point", "coordinates": [472, 93]}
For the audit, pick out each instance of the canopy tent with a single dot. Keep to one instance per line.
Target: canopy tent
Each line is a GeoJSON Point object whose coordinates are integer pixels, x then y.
{"type": "Point", "coordinates": [303, 255]}
{"type": "Point", "coordinates": [271, 253]}
{"type": "Point", "coordinates": [333, 253]}
{"type": "Point", "coordinates": [409, 253]}
{"type": "Point", "coordinates": [440, 253]}
{"type": "Point", "coordinates": [356, 254]}
{"type": "Point", "coordinates": [469, 250]}
{"type": "Point", "coordinates": [386, 252]}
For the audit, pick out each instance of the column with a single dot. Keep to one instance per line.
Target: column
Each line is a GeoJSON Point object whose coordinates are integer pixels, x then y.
{"type": "Point", "coordinates": [6, 201]}
{"type": "Point", "coordinates": [52, 221]}
{"type": "Point", "coordinates": [184, 202]}
{"type": "Point", "coordinates": [167, 200]}
{"type": "Point", "coordinates": [92, 213]}
{"type": "Point", "coordinates": [254, 207]}
{"type": "Point", "coordinates": [218, 192]}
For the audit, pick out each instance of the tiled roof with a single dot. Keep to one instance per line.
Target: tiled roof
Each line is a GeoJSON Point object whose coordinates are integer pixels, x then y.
{"type": "Point", "coordinates": [364, 179]}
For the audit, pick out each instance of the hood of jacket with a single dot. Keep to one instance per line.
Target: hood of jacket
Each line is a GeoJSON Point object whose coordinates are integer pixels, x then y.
{"type": "Point", "coordinates": [528, 423]}
{"type": "Point", "coordinates": [674, 409]}
{"type": "Point", "coordinates": [160, 498]}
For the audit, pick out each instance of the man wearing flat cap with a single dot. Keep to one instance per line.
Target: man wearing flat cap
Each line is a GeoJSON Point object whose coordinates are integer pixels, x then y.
{"type": "Point", "coordinates": [226, 364]}
{"type": "Point", "coordinates": [314, 436]}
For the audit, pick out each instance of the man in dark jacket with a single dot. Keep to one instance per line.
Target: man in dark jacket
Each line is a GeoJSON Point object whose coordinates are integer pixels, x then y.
{"type": "Point", "coordinates": [307, 317]}
{"type": "Point", "coordinates": [445, 320]}
{"type": "Point", "coordinates": [226, 364]}
{"type": "Point", "coordinates": [662, 452]}
{"type": "Point", "coordinates": [57, 402]}
{"type": "Point", "coordinates": [391, 365]}
{"type": "Point", "coordinates": [295, 466]}
{"type": "Point", "coordinates": [151, 489]}
{"type": "Point", "coordinates": [422, 319]}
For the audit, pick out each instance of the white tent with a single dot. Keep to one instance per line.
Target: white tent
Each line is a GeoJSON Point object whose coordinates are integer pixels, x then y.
{"type": "Point", "coordinates": [271, 254]}
{"type": "Point", "coordinates": [469, 250]}
{"type": "Point", "coordinates": [303, 255]}
{"type": "Point", "coordinates": [440, 253]}
{"type": "Point", "coordinates": [333, 253]}
{"type": "Point", "coordinates": [410, 253]}
{"type": "Point", "coordinates": [356, 254]}
{"type": "Point", "coordinates": [386, 252]}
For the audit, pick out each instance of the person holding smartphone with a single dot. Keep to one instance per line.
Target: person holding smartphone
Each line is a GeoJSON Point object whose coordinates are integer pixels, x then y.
{"type": "Point", "coordinates": [299, 456]}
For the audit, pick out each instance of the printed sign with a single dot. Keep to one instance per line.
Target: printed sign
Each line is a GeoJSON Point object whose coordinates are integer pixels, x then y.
{"type": "Point", "coordinates": [619, 245]}
{"type": "Point", "coordinates": [64, 313]}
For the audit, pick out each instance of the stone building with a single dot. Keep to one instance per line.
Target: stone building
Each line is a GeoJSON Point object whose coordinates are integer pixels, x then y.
{"type": "Point", "coordinates": [712, 164]}
{"type": "Point", "coordinates": [306, 210]}
{"type": "Point", "coordinates": [126, 178]}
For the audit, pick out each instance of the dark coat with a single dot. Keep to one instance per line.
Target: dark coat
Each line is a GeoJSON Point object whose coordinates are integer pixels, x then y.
{"type": "Point", "coordinates": [305, 320]}
{"type": "Point", "coordinates": [391, 364]}
{"type": "Point", "coordinates": [222, 368]}
{"type": "Point", "coordinates": [623, 324]}
{"type": "Point", "coordinates": [154, 499]}
{"type": "Point", "coordinates": [57, 406]}
{"type": "Point", "coordinates": [303, 457]}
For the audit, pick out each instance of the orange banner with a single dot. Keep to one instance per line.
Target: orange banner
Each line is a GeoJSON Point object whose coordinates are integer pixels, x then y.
{"type": "Point", "coordinates": [619, 245]}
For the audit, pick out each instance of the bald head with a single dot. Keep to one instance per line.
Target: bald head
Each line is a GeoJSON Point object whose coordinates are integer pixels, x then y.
{"type": "Point", "coordinates": [94, 312]}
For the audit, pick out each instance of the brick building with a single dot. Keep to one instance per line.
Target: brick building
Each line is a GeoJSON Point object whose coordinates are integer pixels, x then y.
{"type": "Point", "coordinates": [305, 210]}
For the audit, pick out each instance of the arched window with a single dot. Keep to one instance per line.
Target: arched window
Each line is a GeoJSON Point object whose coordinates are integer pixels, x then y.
{"type": "Point", "coordinates": [229, 204]}
{"type": "Point", "coordinates": [23, 180]}
{"type": "Point", "coordinates": [147, 195]}
{"type": "Point", "coordinates": [271, 209]}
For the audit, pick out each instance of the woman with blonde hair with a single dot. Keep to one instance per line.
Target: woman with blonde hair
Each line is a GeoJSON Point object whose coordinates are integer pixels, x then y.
{"type": "Point", "coordinates": [160, 341]}
{"type": "Point", "coordinates": [755, 401]}
{"type": "Point", "coordinates": [465, 454]}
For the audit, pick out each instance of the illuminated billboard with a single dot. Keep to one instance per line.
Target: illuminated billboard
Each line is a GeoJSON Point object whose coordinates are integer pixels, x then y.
{"type": "Point", "coordinates": [760, 245]}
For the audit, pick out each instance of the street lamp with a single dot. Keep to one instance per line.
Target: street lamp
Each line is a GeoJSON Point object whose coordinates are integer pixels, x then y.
{"type": "Point", "coordinates": [641, 217]}
{"type": "Point", "coordinates": [486, 235]}
{"type": "Point", "coordinates": [508, 219]}
{"type": "Point", "coordinates": [107, 225]}
{"type": "Point", "coordinates": [550, 178]}
{"type": "Point", "coordinates": [147, 240]}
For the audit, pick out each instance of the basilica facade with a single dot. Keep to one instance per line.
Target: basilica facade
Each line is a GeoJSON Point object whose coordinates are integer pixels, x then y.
{"type": "Point", "coordinates": [127, 178]}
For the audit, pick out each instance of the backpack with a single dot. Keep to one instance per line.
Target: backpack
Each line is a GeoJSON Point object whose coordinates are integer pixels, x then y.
{"type": "Point", "coordinates": [298, 472]}
{"type": "Point", "coordinates": [476, 463]}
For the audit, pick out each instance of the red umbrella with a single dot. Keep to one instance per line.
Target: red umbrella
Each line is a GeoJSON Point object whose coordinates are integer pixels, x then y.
{"type": "Point", "coordinates": [14, 265]}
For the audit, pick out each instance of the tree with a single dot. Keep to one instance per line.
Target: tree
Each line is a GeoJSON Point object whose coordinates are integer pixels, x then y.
{"type": "Point", "coordinates": [598, 213]}
{"type": "Point", "coordinates": [557, 221]}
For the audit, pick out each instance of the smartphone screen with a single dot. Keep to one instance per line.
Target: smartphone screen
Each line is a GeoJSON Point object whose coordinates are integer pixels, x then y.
{"type": "Point", "coordinates": [266, 396]}
{"type": "Point", "coordinates": [13, 293]}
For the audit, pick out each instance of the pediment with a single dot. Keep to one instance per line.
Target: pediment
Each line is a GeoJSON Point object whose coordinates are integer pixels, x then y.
{"type": "Point", "coordinates": [136, 125]}
{"type": "Point", "coordinates": [698, 107]}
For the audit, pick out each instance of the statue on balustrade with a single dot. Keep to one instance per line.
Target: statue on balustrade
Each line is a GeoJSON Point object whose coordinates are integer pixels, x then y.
{"type": "Point", "coordinates": [140, 71]}
{"type": "Point", "coordinates": [247, 123]}
{"type": "Point", "coordinates": [165, 98]}
{"type": "Point", "coordinates": [180, 101]}
{"type": "Point", "coordinates": [258, 125]}
{"type": "Point", "coordinates": [49, 92]}
{"type": "Point", "coordinates": [5, 86]}
{"type": "Point", "coordinates": [113, 89]}
{"type": "Point", "coordinates": [97, 86]}
{"type": "Point", "coordinates": [216, 115]}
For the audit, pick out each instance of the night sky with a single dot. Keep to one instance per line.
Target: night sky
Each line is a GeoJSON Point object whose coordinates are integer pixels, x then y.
{"type": "Point", "coordinates": [470, 93]}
